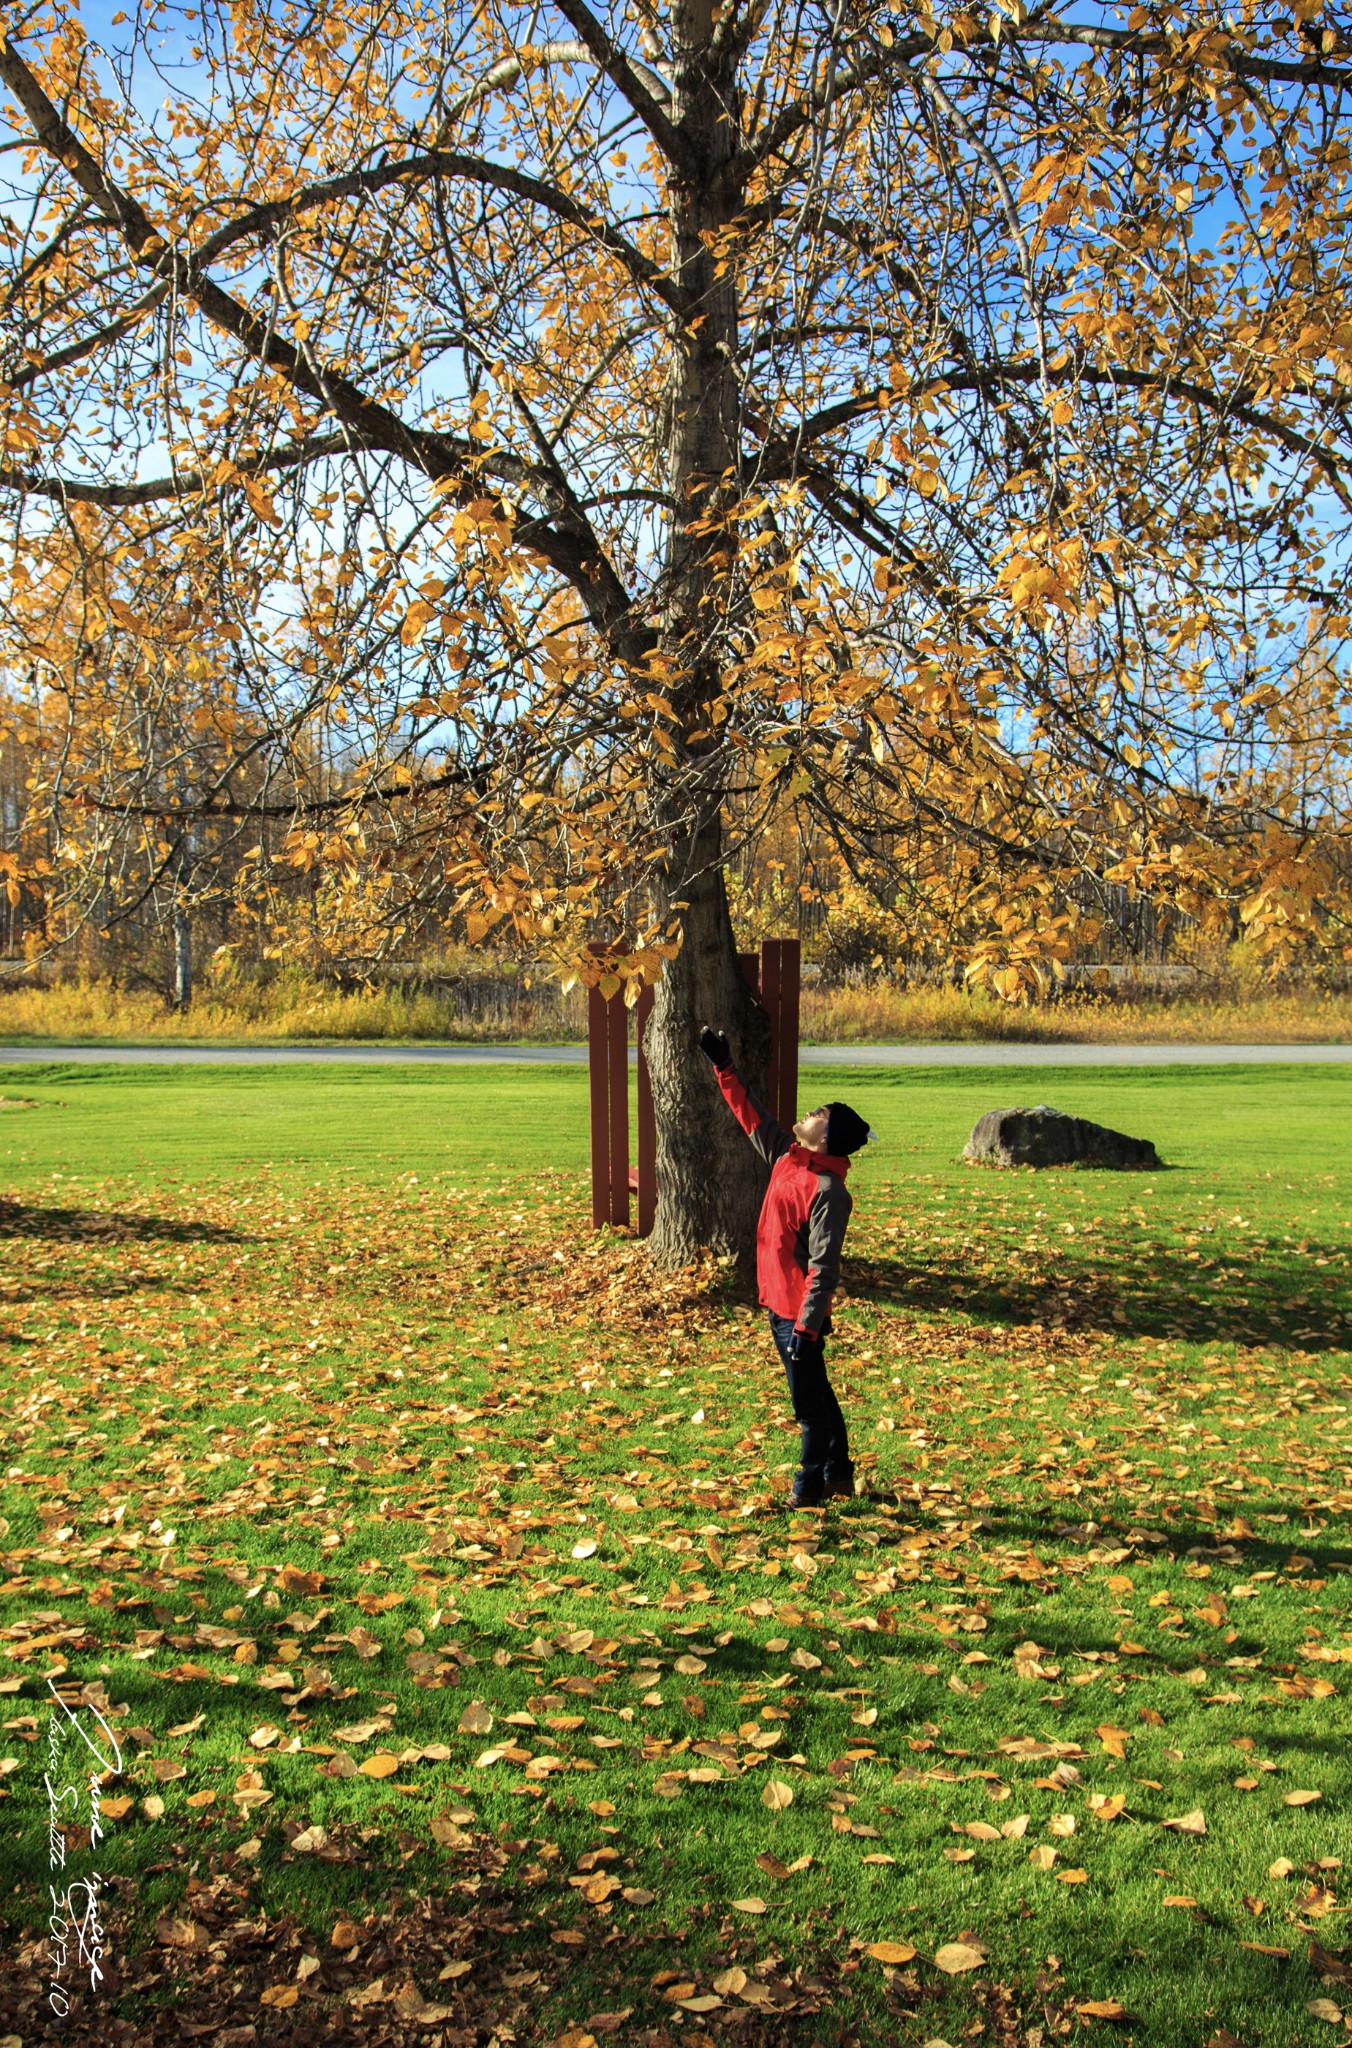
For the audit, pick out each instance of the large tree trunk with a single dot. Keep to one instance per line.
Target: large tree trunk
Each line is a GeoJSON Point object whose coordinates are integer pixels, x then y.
{"type": "Point", "coordinates": [710, 1182]}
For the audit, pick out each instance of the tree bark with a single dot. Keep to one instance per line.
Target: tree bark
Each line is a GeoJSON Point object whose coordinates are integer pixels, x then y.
{"type": "Point", "coordinates": [710, 1183]}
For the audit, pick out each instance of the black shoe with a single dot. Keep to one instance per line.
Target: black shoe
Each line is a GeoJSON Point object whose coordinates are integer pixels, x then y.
{"type": "Point", "coordinates": [840, 1489]}
{"type": "Point", "coordinates": [799, 1499]}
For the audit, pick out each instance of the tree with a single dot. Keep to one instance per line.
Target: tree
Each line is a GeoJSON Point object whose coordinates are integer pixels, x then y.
{"type": "Point", "coordinates": [630, 421]}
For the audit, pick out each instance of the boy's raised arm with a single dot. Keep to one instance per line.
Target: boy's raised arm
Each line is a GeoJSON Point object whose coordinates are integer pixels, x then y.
{"type": "Point", "coordinates": [770, 1139]}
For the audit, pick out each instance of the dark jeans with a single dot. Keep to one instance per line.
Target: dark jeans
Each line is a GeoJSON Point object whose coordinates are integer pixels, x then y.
{"type": "Point", "coordinates": [826, 1449]}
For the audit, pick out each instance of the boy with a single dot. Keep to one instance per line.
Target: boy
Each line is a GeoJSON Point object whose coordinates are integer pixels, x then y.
{"type": "Point", "coordinates": [798, 1241]}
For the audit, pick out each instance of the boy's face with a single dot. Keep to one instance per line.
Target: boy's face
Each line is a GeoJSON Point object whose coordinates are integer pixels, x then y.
{"type": "Point", "coordinates": [811, 1129]}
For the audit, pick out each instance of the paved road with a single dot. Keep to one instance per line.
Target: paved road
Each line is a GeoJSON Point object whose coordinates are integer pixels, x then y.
{"type": "Point", "coordinates": [576, 1055]}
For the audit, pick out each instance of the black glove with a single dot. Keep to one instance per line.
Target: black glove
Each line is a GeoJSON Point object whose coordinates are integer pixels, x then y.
{"type": "Point", "coordinates": [714, 1046]}
{"type": "Point", "coordinates": [799, 1345]}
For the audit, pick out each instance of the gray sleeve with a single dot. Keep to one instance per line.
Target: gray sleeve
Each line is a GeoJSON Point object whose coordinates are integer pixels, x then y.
{"type": "Point", "coordinates": [827, 1219]}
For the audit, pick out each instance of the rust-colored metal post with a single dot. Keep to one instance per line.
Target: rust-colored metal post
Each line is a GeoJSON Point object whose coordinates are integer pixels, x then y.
{"type": "Point", "coordinates": [599, 1080]}
{"type": "Point", "coordinates": [790, 980]}
{"type": "Point", "coordinates": [769, 995]}
{"type": "Point", "coordinates": [647, 1123]}
{"type": "Point", "coordinates": [617, 1045]}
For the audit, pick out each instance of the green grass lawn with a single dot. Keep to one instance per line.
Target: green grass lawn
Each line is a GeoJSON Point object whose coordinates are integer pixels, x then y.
{"type": "Point", "coordinates": [413, 1539]}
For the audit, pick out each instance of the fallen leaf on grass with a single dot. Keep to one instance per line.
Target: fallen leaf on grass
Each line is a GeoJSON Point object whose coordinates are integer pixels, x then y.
{"type": "Point", "coordinates": [279, 1995]}
{"type": "Point", "coordinates": [1267, 1948]}
{"type": "Point", "coordinates": [172, 1933]}
{"type": "Point", "coordinates": [1180, 1899]}
{"type": "Point", "coordinates": [1102, 2009]}
{"type": "Point", "coordinates": [476, 1719]}
{"type": "Point", "coordinates": [777, 1795]}
{"type": "Point", "coordinates": [752, 1905]}
{"type": "Point", "coordinates": [1072, 1877]}
{"type": "Point", "coordinates": [890, 1951]}
{"type": "Point", "coordinates": [1300, 1798]}
{"type": "Point", "coordinates": [1187, 1823]}
{"type": "Point", "coordinates": [1330, 1966]}
{"type": "Point", "coordinates": [732, 1980]}
{"type": "Point", "coordinates": [1325, 2009]}
{"type": "Point", "coordinates": [956, 1956]}
{"type": "Point", "coordinates": [381, 1765]}
{"type": "Point", "coordinates": [292, 1580]}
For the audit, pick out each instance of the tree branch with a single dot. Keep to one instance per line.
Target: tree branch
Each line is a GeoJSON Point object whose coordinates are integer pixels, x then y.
{"type": "Point", "coordinates": [474, 170]}
{"type": "Point", "coordinates": [352, 800]}
{"type": "Point", "coordinates": [187, 484]}
{"type": "Point", "coordinates": [624, 76]}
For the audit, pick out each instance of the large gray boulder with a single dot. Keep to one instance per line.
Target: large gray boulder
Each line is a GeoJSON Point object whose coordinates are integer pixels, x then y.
{"type": "Point", "coordinates": [1044, 1137]}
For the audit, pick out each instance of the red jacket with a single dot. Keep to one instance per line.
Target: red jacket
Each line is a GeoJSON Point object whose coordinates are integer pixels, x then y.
{"type": "Point", "coordinates": [802, 1219]}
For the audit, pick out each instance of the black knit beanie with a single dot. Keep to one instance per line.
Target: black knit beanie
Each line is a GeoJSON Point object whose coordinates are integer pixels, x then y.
{"type": "Point", "coordinates": [846, 1130]}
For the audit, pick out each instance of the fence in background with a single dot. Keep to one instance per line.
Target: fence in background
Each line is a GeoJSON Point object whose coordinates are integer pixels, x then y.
{"type": "Point", "coordinates": [776, 975]}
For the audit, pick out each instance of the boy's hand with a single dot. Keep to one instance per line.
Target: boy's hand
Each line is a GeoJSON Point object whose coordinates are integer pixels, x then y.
{"type": "Point", "coordinates": [800, 1343]}
{"type": "Point", "coordinates": [714, 1045]}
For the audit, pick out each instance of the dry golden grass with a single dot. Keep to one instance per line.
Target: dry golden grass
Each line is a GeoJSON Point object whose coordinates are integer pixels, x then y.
{"type": "Point", "coordinates": [871, 1015]}
{"type": "Point", "coordinates": [292, 1007]}
{"type": "Point", "coordinates": [297, 1007]}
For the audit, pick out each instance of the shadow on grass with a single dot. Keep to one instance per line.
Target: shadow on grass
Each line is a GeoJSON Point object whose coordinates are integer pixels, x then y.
{"type": "Point", "coordinates": [1272, 1302]}
{"type": "Point", "coordinates": [1112, 1518]}
{"type": "Point", "coordinates": [105, 1226]}
{"type": "Point", "coordinates": [471, 1944]}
